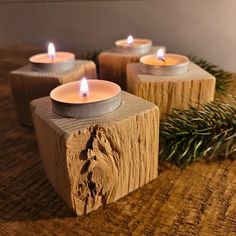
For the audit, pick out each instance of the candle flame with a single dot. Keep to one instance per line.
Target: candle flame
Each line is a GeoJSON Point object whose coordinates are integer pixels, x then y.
{"type": "Point", "coordinates": [160, 54]}
{"type": "Point", "coordinates": [51, 51]}
{"type": "Point", "coordinates": [130, 39]}
{"type": "Point", "coordinates": [84, 88]}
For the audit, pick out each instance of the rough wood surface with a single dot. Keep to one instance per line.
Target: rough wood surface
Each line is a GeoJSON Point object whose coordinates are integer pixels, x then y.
{"type": "Point", "coordinates": [94, 161]}
{"type": "Point", "coordinates": [28, 85]}
{"type": "Point", "coordinates": [168, 92]}
{"type": "Point", "coordinates": [112, 65]}
{"type": "Point", "coordinates": [200, 200]}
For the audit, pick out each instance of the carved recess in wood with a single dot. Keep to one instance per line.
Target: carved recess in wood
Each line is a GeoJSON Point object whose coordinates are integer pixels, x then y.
{"type": "Point", "coordinates": [98, 179]}
{"type": "Point", "coordinates": [92, 162]}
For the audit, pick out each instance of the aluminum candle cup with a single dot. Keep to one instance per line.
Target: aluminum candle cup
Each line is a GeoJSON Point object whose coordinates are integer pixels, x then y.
{"type": "Point", "coordinates": [62, 61]}
{"type": "Point", "coordinates": [172, 64]}
{"type": "Point", "coordinates": [134, 46]}
{"type": "Point", "coordinates": [102, 97]}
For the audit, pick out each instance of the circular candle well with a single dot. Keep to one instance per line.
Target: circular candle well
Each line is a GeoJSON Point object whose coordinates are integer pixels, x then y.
{"type": "Point", "coordinates": [173, 64]}
{"type": "Point", "coordinates": [103, 97]}
{"type": "Point", "coordinates": [138, 46]}
{"type": "Point", "coordinates": [61, 62]}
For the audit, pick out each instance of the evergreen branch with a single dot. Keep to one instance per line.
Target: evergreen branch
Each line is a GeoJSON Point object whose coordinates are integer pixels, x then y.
{"type": "Point", "coordinates": [189, 135]}
{"type": "Point", "coordinates": [223, 78]}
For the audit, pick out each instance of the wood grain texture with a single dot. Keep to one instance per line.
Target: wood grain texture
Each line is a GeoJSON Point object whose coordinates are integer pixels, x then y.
{"type": "Point", "coordinates": [169, 92]}
{"type": "Point", "coordinates": [28, 85]}
{"type": "Point", "coordinates": [199, 200]}
{"type": "Point", "coordinates": [112, 65]}
{"type": "Point", "coordinates": [94, 161]}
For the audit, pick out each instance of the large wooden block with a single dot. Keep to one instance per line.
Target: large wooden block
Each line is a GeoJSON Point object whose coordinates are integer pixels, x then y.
{"type": "Point", "coordinates": [168, 92]}
{"type": "Point", "coordinates": [112, 65]}
{"type": "Point", "coordinates": [92, 162]}
{"type": "Point", "coordinates": [28, 85]}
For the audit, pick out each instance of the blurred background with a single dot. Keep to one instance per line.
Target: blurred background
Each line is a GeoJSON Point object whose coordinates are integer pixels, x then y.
{"type": "Point", "coordinates": [203, 28]}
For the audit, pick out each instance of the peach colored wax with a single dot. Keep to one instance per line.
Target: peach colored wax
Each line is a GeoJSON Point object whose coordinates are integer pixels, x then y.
{"type": "Point", "coordinates": [59, 57]}
{"type": "Point", "coordinates": [169, 60]}
{"type": "Point", "coordinates": [99, 90]}
{"type": "Point", "coordinates": [170, 64]}
{"type": "Point", "coordinates": [136, 43]}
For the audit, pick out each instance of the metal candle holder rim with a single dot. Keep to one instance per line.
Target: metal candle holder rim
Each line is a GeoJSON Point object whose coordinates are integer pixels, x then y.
{"type": "Point", "coordinates": [89, 109]}
{"type": "Point", "coordinates": [59, 66]}
{"type": "Point", "coordinates": [169, 66]}
{"type": "Point", "coordinates": [52, 93]}
{"type": "Point", "coordinates": [41, 54]}
{"type": "Point", "coordinates": [147, 42]}
{"type": "Point", "coordinates": [134, 49]}
{"type": "Point", "coordinates": [163, 70]}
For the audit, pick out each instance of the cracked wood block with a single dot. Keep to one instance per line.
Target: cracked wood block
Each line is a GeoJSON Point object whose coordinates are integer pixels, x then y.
{"type": "Point", "coordinates": [28, 85]}
{"type": "Point", "coordinates": [92, 162]}
{"type": "Point", "coordinates": [169, 92]}
{"type": "Point", "coordinates": [112, 65]}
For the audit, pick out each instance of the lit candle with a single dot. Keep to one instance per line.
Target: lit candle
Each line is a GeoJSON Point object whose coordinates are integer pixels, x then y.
{"type": "Point", "coordinates": [130, 40]}
{"type": "Point", "coordinates": [52, 61]}
{"type": "Point", "coordinates": [164, 64]}
{"type": "Point", "coordinates": [134, 45]}
{"type": "Point", "coordinates": [51, 51]}
{"type": "Point", "coordinates": [84, 88]}
{"type": "Point", "coordinates": [160, 54]}
{"type": "Point", "coordinates": [86, 98]}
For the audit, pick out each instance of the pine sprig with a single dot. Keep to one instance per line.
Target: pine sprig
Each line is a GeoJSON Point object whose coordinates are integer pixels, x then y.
{"type": "Point", "coordinates": [189, 135]}
{"type": "Point", "coordinates": [223, 78]}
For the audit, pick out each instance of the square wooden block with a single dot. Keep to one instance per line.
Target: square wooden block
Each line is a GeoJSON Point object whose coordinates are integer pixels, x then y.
{"type": "Point", "coordinates": [168, 92]}
{"type": "Point", "coordinates": [92, 162]}
{"type": "Point", "coordinates": [28, 85]}
{"type": "Point", "coordinates": [112, 65]}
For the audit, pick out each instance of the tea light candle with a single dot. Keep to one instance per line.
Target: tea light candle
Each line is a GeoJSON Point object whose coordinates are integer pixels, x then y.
{"type": "Point", "coordinates": [164, 64]}
{"type": "Point", "coordinates": [134, 45]}
{"type": "Point", "coordinates": [52, 61]}
{"type": "Point", "coordinates": [86, 98]}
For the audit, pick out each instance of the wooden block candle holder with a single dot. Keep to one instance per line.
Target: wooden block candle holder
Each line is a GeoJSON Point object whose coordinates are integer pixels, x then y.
{"type": "Point", "coordinates": [176, 91]}
{"type": "Point", "coordinates": [28, 85]}
{"type": "Point", "coordinates": [94, 161]}
{"type": "Point", "coordinates": [112, 65]}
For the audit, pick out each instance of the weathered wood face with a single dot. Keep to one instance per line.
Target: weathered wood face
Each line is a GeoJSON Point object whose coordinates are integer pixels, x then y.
{"type": "Point", "coordinates": [28, 85]}
{"type": "Point", "coordinates": [198, 200]}
{"type": "Point", "coordinates": [113, 64]}
{"type": "Point", "coordinates": [168, 92]}
{"type": "Point", "coordinates": [94, 161]}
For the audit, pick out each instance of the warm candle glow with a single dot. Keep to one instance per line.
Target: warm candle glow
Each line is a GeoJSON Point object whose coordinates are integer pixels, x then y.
{"type": "Point", "coordinates": [160, 54]}
{"type": "Point", "coordinates": [84, 88]}
{"type": "Point", "coordinates": [72, 99]}
{"type": "Point", "coordinates": [164, 63]}
{"type": "Point", "coordinates": [51, 51]}
{"type": "Point", "coordinates": [130, 39]}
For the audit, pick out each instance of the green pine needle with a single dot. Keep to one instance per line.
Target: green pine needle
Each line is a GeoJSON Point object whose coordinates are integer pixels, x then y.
{"type": "Point", "coordinates": [189, 135]}
{"type": "Point", "coordinates": [223, 78]}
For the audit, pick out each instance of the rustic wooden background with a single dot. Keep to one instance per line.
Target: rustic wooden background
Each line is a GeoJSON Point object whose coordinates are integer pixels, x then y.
{"type": "Point", "coordinates": [200, 200]}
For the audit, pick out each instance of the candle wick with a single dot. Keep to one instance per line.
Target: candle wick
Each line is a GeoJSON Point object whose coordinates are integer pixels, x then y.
{"type": "Point", "coordinates": [162, 59]}
{"type": "Point", "coordinates": [84, 95]}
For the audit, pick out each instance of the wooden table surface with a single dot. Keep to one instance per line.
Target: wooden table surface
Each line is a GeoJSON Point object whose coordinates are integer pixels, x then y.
{"type": "Point", "coordinates": [199, 200]}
